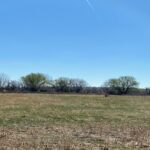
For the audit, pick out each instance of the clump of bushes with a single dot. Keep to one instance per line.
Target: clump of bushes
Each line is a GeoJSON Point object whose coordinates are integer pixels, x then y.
{"type": "Point", "coordinates": [39, 82]}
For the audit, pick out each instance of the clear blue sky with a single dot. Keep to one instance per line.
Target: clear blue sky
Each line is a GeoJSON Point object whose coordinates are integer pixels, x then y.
{"type": "Point", "coordinates": [68, 38]}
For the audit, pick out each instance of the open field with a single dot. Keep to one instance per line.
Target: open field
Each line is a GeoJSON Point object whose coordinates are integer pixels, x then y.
{"type": "Point", "coordinates": [67, 122]}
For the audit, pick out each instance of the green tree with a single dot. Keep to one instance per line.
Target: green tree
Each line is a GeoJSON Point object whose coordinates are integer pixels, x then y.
{"type": "Point", "coordinates": [126, 83]}
{"type": "Point", "coordinates": [122, 85]}
{"type": "Point", "coordinates": [112, 86]}
{"type": "Point", "coordinates": [35, 81]}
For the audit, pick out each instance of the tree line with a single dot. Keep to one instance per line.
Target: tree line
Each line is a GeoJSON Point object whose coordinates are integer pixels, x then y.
{"type": "Point", "coordinates": [39, 82]}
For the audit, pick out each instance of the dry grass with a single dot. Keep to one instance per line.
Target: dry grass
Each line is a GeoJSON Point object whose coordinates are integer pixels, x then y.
{"type": "Point", "coordinates": [68, 122]}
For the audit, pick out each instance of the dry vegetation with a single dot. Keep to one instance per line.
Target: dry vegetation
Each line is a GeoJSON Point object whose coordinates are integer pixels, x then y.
{"type": "Point", "coordinates": [68, 122]}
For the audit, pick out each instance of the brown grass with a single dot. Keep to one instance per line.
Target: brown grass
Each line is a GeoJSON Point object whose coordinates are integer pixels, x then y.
{"type": "Point", "coordinates": [70, 122]}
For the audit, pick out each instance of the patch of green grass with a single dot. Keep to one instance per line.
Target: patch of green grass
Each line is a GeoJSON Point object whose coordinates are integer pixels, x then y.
{"type": "Point", "coordinates": [37, 109]}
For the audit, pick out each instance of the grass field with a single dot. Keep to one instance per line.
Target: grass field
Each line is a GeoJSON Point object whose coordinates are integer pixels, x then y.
{"type": "Point", "coordinates": [68, 122]}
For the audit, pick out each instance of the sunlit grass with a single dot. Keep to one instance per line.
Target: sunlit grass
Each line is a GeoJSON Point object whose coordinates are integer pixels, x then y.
{"type": "Point", "coordinates": [84, 120]}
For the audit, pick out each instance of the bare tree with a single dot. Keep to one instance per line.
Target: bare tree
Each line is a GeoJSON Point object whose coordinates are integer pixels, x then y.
{"type": "Point", "coordinates": [61, 84]}
{"type": "Point", "coordinates": [4, 81]}
{"type": "Point", "coordinates": [69, 85]}
{"type": "Point", "coordinates": [14, 86]}
{"type": "Point", "coordinates": [77, 85]}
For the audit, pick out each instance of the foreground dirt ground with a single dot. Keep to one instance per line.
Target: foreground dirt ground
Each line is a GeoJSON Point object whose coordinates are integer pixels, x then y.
{"type": "Point", "coordinates": [74, 122]}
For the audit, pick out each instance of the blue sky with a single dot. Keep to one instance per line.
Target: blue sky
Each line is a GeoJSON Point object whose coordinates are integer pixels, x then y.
{"type": "Point", "coordinates": [68, 38]}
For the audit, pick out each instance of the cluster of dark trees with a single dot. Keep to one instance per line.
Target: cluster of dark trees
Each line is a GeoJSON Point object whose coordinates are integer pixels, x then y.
{"type": "Point", "coordinates": [38, 82]}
